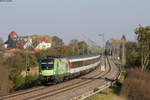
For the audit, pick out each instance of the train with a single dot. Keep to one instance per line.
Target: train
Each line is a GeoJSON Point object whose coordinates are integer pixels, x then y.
{"type": "Point", "coordinates": [57, 69]}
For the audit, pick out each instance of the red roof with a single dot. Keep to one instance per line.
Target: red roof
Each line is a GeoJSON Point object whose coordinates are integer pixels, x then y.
{"type": "Point", "coordinates": [21, 43]}
{"type": "Point", "coordinates": [13, 35]}
{"type": "Point", "coordinates": [19, 50]}
{"type": "Point", "coordinates": [12, 50]}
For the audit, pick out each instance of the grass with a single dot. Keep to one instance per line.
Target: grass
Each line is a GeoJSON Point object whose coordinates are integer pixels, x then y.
{"type": "Point", "coordinates": [112, 93]}
{"type": "Point", "coordinates": [107, 94]}
{"type": "Point", "coordinates": [122, 77]}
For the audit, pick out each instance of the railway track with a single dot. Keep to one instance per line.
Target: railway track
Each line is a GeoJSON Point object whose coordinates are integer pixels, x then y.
{"type": "Point", "coordinates": [64, 89]}
{"type": "Point", "coordinates": [22, 92]}
{"type": "Point", "coordinates": [44, 92]}
{"type": "Point", "coordinates": [8, 97]}
{"type": "Point", "coordinates": [60, 90]}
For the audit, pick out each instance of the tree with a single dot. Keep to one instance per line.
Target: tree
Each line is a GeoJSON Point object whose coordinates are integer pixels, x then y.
{"type": "Point", "coordinates": [79, 47]}
{"type": "Point", "coordinates": [57, 42]}
{"type": "Point", "coordinates": [1, 44]}
{"type": "Point", "coordinates": [19, 61]}
{"type": "Point", "coordinates": [75, 48]}
{"type": "Point", "coordinates": [143, 37]}
{"type": "Point", "coordinates": [133, 58]}
{"type": "Point", "coordinates": [66, 51]}
{"type": "Point", "coordinates": [83, 47]}
{"type": "Point", "coordinates": [49, 52]}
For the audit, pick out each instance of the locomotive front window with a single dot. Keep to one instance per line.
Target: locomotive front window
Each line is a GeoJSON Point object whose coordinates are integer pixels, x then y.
{"type": "Point", "coordinates": [47, 66]}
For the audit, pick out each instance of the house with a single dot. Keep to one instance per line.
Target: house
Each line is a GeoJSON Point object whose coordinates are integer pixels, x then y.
{"type": "Point", "coordinates": [24, 42]}
{"type": "Point", "coordinates": [28, 44]}
{"type": "Point", "coordinates": [43, 45]}
{"type": "Point", "coordinates": [37, 42]}
{"type": "Point", "coordinates": [42, 42]}
{"type": "Point", "coordinates": [16, 41]}
{"type": "Point", "coordinates": [20, 44]}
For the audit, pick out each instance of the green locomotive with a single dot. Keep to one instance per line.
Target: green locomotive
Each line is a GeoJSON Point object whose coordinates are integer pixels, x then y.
{"type": "Point", "coordinates": [53, 69]}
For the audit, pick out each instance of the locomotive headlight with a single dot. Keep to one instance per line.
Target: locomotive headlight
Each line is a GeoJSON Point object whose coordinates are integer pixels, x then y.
{"type": "Point", "coordinates": [40, 73]}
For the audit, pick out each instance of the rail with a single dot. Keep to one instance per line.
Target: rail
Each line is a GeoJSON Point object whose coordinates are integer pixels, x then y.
{"type": "Point", "coordinates": [99, 89]}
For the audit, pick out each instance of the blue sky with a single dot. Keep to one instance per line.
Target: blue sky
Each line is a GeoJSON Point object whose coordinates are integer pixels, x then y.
{"type": "Point", "coordinates": [74, 18]}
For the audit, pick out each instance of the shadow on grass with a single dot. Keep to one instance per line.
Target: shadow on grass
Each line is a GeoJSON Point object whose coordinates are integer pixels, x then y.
{"type": "Point", "coordinates": [30, 83]}
{"type": "Point", "coordinates": [116, 88]}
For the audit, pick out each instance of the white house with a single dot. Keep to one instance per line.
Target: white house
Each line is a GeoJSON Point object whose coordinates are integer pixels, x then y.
{"type": "Point", "coordinates": [43, 45]}
{"type": "Point", "coordinates": [28, 43]}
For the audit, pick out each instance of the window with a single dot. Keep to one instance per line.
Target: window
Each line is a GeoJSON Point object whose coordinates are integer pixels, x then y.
{"type": "Point", "coordinates": [84, 63]}
{"type": "Point", "coordinates": [47, 66]}
{"type": "Point", "coordinates": [78, 64]}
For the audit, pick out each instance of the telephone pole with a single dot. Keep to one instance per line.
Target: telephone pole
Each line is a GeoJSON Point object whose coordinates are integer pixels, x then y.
{"type": "Point", "coordinates": [123, 50]}
{"type": "Point", "coordinates": [103, 42]}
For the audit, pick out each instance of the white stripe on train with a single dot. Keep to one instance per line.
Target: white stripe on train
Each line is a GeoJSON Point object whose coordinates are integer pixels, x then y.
{"type": "Point", "coordinates": [82, 59]}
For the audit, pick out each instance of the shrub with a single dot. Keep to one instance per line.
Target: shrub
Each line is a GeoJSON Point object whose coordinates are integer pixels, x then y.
{"type": "Point", "coordinates": [19, 82]}
{"type": "Point", "coordinates": [136, 85]}
{"type": "Point", "coordinates": [18, 63]}
{"type": "Point", "coordinates": [16, 80]}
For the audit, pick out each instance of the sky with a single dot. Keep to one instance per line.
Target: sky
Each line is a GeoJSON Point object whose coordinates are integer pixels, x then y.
{"type": "Point", "coordinates": [74, 19]}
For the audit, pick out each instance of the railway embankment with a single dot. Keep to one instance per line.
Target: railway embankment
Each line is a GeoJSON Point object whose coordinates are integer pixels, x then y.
{"type": "Point", "coordinates": [131, 85]}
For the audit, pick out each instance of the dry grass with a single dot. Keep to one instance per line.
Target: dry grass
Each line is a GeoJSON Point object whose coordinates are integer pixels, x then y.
{"type": "Point", "coordinates": [3, 79]}
{"type": "Point", "coordinates": [33, 71]}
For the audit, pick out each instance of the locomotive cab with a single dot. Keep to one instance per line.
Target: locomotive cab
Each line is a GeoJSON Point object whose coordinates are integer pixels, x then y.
{"type": "Point", "coordinates": [46, 69]}
{"type": "Point", "coordinates": [53, 70]}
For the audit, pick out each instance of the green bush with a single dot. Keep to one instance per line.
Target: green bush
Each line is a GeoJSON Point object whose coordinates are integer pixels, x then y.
{"type": "Point", "coordinates": [16, 80]}
{"type": "Point", "coordinates": [19, 82]}
{"type": "Point", "coordinates": [133, 59]}
{"type": "Point", "coordinates": [31, 81]}
{"type": "Point", "coordinates": [18, 63]}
